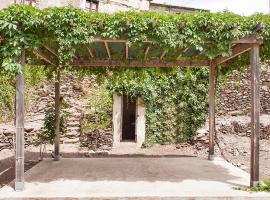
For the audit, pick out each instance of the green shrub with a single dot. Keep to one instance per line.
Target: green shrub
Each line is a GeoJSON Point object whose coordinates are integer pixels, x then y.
{"type": "Point", "coordinates": [46, 134]}
{"type": "Point", "coordinates": [35, 76]}
{"type": "Point", "coordinates": [263, 187]}
{"type": "Point", "coordinates": [7, 96]}
{"type": "Point", "coordinates": [99, 113]}
{"type": "Point", "coordinates": [176, 99]}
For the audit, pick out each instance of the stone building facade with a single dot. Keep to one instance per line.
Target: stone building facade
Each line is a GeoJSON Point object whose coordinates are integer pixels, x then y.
{"type": "Point", "coordinates": [167, 8]}
{"type": "Point", "coordinates": [108, 6]}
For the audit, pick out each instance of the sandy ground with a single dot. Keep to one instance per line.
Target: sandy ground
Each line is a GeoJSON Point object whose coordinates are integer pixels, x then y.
{"type": "Point", "coordinates": [133, 176]}
{"type": "Point", "coordinates": [237, 153]}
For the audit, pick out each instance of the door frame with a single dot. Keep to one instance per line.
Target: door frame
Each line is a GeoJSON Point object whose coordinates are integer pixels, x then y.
{"type": "Point", "coordinates": [118, 120]}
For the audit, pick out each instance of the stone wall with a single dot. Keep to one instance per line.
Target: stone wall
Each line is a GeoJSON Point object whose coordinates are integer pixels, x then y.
{"type": "Point", "coordinates": [235, 97]}
{"type": "Point", "coordinates": [111, 6]}
{"type": "Point", "coordinates": [172, 9]}
{"type": "Point", "coordinates": [58, 3]}
{"type": "Point", "coordinates": [73, 92]}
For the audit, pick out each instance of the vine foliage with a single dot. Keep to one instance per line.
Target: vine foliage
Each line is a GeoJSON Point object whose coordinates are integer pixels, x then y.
{"type": "Point", "coordinates": [212, 33]}
{"type": "Point", "coordinates": [176, 99]}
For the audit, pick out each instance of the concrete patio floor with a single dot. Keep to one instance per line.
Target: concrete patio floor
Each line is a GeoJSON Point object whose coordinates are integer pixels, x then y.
{"type": "Point", "coordinates": [170, 177]}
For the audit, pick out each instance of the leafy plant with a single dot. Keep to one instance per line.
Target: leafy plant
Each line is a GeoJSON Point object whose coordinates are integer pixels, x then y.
{"type": "Point", "coordinates": [175, 99]}
{"type": "Point", "coordinates": [25, 27]}
{"type": "Point", "coordinates": [7, 93]}
{"type": "Point", "coordinates": [99, 113]}
{"type": "Point", "coordinates": [46, 134]}
{"type": "Point", "coordinates": [34, 78]}
{"type": "Point", "coordinates": [264, 186]}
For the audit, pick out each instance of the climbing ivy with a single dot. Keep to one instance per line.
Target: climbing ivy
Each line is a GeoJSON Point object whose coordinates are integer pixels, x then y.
{"type": "Point", "coordinates": [27, 27]}
{"type": "Point", "coordinates": [176, 99]}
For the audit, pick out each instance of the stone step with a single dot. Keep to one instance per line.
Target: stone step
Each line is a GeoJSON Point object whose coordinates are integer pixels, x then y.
{"type": "Point", "coordinates": [71, 140]}
{"type": "Point", "coordinates": [72, 133]}
{"type": "Point", "coordinates": [73, 124]}
{"type": "Point", "coordinates": [73, 129]}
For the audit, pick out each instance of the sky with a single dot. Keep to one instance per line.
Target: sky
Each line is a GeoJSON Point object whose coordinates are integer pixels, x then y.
{"type": "Point", "coordinates": [242, 7]}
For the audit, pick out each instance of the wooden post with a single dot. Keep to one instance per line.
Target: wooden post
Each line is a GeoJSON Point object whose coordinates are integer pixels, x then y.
{"type": "Point", "coordinates": [57, 115]}
{"type": "Point", "coordinates": [19, 154]}
{"type": "Point", "coordinates": [255, 115]}
{"type": "Point", "coordinates": [212, 82]}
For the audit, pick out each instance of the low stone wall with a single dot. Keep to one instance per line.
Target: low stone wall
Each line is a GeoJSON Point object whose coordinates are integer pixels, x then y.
{"type": "Point", "coordinates": [73, 93]}
{"type": "Point", "coordinates": [235, 97]}
{"type": "Point", "coordinates": [241, 126]}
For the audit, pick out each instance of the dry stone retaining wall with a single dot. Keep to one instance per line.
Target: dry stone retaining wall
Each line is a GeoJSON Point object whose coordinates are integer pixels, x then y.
{"type": "Point", "coordinates": [235, 97]}
{"type": "Point", "coordinates": [73, 92]}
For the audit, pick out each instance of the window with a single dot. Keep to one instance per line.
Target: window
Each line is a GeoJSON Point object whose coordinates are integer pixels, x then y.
{"type": "Point", "coordinates": [30, 2]}
{"type": "Point", "coordinates": [92, 5]}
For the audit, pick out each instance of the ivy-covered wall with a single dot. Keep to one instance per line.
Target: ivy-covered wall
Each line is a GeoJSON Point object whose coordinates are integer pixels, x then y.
{"type": "Point", "coordinates": [176, 99]}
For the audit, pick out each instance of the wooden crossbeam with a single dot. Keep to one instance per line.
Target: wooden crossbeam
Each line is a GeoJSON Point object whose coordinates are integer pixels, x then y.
{"type": "Point", "coordinates": [237, 50]}
{"type": "Point", "coordinates": [182, 51]}
{"type": "Point", "coordinates": [163, 54]}
{"type": "Point", "coordinates": [249, 39]}
{"type": "Point", "coordinates": [146, 51]}
{"type": "Point", "coordinates": [90, 52]}
{"type": "Point", "coordinates": [150, 63]}
{"type": "Point", "coordinates": [201, 53]}
{"type": "Point", "coordinates": [111, 40]}
{"type": "Point", "coordinates": [42, 56]}
{"type": "Point", "coordinates": [52, 51]}
{"type": "Point", "coordinates": [116, 40]}
{"type": "Point", "coordinates": [107, 49]}
{"type": "Point", "coordinates": [126, 51]}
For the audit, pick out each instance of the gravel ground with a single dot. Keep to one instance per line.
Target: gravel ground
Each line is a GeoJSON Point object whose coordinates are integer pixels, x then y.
{"type": "Point", "coordinates": [236, 150]}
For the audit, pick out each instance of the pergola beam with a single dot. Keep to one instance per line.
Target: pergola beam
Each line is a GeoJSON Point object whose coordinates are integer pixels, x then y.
{"type": "Point", "coordinates": [163, 54]}
{"type": "Point", "coordinates": [116, 40]}
{"type": "Point", "coordinates": [90, 52]}
{"type": "Point", "coordinates": [107, 49]}
{"type": "Point", "coordinates": [182, 51]}
{"type": "Point", "coordinates": [249, 39]}
{"type": "Point", "coordinates": [237, 50]}
{"type": "Point", "coordinates": [42, 56]}
{"type": "Point", "coordinates": [52, 51]}
{"type": "Point", "coordinates": [146, 51]}
{"type": "Point", "coordinates": [151, 63]}
{"type": "Point", "coordinates": [126, 51]}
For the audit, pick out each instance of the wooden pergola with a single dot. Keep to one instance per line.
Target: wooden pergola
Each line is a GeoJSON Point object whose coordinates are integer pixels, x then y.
{"type": "Point", "coordinates": [106, 53]}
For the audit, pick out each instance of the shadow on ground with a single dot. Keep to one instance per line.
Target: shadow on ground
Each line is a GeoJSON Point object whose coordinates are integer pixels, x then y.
{"type": "Point", "coordinates": [7, 165]}
{"type": "Point", "coordinates": [129, 169]}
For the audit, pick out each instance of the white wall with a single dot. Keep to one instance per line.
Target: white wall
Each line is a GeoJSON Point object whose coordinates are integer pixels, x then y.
{"type": "Point", "coordinates": [140, 121]}
{"type": "Point", "coordinates": [5, 3]}
{"type": "Point", "coordinates": [123, 5]}
{"type": "Point", "coordinates": [117, 118]}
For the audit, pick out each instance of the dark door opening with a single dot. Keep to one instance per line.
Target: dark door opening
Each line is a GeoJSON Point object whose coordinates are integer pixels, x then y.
{"type": "Point", "coordinates": [129, 119]}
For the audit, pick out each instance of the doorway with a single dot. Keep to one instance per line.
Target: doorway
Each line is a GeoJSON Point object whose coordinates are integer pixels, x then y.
{"type": "Point", "coordinates": [129, 119]}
